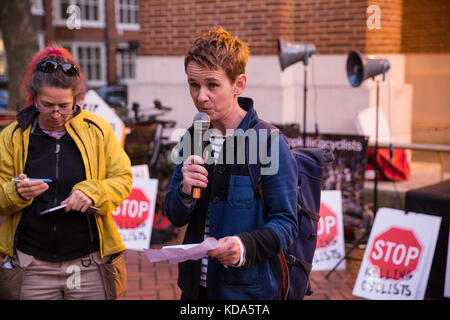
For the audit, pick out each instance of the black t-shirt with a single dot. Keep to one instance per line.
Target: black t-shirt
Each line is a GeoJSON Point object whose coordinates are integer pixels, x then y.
{"type": "Point", "coordinates": [56, 236]}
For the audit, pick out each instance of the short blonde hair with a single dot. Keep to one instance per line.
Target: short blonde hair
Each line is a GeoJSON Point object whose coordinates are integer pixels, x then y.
{"type": "Point", "coordinates": [217, 48]}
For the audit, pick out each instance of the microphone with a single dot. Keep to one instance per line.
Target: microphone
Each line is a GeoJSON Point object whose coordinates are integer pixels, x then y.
{"type": "Point", "coordinates": [201, 124]}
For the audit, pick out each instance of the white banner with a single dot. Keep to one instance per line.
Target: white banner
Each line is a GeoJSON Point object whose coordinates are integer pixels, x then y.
{"type": "Point", "coordinates": [95, 104]}
{"type": "Point", "coordinates": [330, 246]}
{"type": "Point", "coordinates": [398, 256]}
{"type": "Point", "coordinates": [134, 217]}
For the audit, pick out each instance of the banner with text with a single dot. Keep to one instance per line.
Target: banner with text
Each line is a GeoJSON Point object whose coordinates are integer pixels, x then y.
{"type": "Point", "coordinates": [398, 256]}
{"type": "Point", "coordinates": [345, 173]}
{"type": "Point", "coordinates": [330, 246]}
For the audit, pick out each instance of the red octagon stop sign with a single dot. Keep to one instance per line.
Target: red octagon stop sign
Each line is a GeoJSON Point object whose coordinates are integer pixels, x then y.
{"type": "Point", "coordinates": [133, 211]}
{"type": "Point", "coordinates": [396, 252]}
{"type": "Point", "coordinates": [327, 228]}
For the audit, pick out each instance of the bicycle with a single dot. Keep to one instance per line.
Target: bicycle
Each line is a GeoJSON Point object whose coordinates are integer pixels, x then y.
{"type": "Point", "coordinates": [147, 144]}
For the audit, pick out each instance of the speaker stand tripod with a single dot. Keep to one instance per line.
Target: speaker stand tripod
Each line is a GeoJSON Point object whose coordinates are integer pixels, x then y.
{"type": "Point", "coordinates": [375, 191]}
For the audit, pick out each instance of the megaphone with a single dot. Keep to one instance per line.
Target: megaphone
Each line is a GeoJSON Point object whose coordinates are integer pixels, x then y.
{"type": "Point", "coordinates": [289, 52]}
{"type": "Point", "coordinates": [360, 67]}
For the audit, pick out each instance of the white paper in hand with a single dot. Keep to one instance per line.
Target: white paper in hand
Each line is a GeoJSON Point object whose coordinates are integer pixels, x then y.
{"type": "Point", "coordinates": [180, 253]}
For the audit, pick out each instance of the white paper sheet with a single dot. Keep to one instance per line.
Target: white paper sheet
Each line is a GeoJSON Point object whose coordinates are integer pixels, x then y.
{"type": "Point", "coordinates": [180, 253]}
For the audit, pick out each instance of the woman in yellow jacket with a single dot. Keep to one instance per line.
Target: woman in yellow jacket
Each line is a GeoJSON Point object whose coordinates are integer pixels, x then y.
{"type": "Point", "coordinates": [58, 154]}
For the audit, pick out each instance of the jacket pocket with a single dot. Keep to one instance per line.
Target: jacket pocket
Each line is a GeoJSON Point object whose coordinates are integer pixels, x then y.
{"type": "Point", "coordinates": [12, 272]}
{"type": "Point", "coordinates": [241, 276]}
{"type": "Point", "coordinates": [11, 277]}
{"type": "Point", "coordinates": [114, 274]}
{"type": "Point", "coordinates": [240, 192]}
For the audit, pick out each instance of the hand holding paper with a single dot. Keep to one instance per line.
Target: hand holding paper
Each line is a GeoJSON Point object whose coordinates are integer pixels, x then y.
{"type": "Point", "coordinates": [180, 253]}
{"type": "Point", "coordinates": [228, 251]}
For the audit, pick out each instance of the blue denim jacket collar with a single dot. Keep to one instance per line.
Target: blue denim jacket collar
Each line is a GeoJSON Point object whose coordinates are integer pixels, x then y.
{"type": "Point", "coordinates": [247, 104]}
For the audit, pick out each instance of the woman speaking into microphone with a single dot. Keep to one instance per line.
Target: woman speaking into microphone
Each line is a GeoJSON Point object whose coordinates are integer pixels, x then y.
{"type": "Point", "coordinates": [243, 266]}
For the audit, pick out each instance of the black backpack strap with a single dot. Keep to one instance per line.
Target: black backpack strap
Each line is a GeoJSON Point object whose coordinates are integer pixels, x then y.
{"type": "Point", "coordinates": [291, 259]}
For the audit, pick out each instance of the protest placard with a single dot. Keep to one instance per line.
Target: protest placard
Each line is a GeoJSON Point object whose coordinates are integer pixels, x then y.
{"type": "Point", "coordinates": [330, 246]}
{"type": "Point", "coordinates": [398, 256]}
{"type": "Point", "coordinates": [134, 217]}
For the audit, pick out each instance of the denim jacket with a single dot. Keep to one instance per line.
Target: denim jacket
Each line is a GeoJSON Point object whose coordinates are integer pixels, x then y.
{"type": "Point", "coordinates": [235, 209]}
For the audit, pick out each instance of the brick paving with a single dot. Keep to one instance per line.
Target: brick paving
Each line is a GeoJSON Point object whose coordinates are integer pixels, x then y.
{"type": "Point", "coordinates": [339, 284]}
{"type": "Point", "coordinates": [158, 281]}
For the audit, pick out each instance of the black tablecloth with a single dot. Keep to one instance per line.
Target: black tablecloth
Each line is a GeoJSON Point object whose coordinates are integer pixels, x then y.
{"type": "Point", "coordinates": [434, 200]}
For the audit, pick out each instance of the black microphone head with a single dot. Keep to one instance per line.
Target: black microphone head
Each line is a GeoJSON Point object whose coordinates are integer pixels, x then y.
{"type": "Point", "coordinates": [202, 119]}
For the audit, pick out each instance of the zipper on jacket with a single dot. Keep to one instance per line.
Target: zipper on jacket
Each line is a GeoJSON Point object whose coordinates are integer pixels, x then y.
{"type": "Point", "coordinates": [91, 236]}
{"type": "Point", "coordinates": [85, 151]}
{"type": "Point", "coordinates": [57, 149]}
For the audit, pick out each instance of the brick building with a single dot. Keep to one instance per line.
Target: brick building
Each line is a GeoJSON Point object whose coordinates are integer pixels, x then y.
{"type": "Point", "coordinates": [412, 34]}
{"type": "Point", "coordinates": [103, 35]}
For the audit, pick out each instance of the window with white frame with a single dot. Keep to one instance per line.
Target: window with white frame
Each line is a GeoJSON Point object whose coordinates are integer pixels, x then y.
{"type": "Point", "coordinates": [91, 13]}
{"type": "Point", "coordinates": [90, 61]}
{"type": "Point", "coordinates": [128, 11]}
{"type": "Point", "coordinates": [127, 14]}
{"type": "Point", "coordinates": [126, 64]}
{"type": "Point", "coordinates": [91, 57]}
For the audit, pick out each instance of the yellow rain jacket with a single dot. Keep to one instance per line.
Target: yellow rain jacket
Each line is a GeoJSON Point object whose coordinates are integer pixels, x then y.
{"type": "Point", "coordinates": [108, 174]}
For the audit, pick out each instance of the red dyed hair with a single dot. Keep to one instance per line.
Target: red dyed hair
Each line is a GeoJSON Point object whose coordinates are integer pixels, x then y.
{"type": "Point", "coordinates": [34, 79]}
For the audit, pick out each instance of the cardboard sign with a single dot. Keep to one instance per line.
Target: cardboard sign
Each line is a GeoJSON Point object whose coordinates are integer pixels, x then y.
{"type": "Point", "coordinates": [398, 256]}
{"type": "Point", "coordinates": [330, 246]}
{"type": "Point", "coordinates": [95, 104]}
{"type": "Point", "coordinates": [134, 217]}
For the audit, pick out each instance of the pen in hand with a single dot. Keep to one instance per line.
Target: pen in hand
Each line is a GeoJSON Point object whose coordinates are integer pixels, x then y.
{"type": "Point", "coordinates": [32, 179]}
{"type": "Point", "coordinates": [29, 188]}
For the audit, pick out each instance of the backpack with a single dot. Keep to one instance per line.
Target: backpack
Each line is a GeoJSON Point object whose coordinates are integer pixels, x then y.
{"type": "Point", "coordinates": [296, 261]}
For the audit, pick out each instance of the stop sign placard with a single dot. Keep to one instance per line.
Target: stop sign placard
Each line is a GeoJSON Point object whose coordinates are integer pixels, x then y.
{"type": "Point", "coordinates": [398, 257]}
{"type": "Point", "coordinates": [133, 211]}
{"type": "Point", "coordinates": [396, 252]}
{"type": "Point", "coordinates": [327, 227]}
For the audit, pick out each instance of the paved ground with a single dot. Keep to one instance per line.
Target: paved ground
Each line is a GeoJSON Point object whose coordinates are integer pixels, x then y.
{"type": "Point", "coordinates": [158, 281]}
